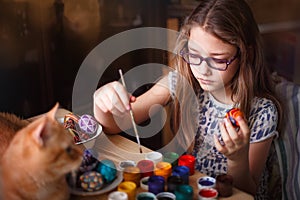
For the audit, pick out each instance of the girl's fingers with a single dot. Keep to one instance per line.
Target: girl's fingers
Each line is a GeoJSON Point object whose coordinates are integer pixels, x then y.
{"type": "Point", "coordinates": [221, 148]}
{"type": "Point", "coordinates": [113, 98]}
{"type": "Point", "coordinates": [116, 102]}
{"type": "Point", "coordinates": [225, 136]}
{"type": "Point", "coordinates": [101, 105]}
{"type": "Point", "coordinates": [122, 95]}
{"type": "Point", "coordinates": [244, 129]}
{"type": "Point", "coordinates": [132, 99]}
{"type": "Point", "coordinates": [233, 139]}
{"type": "Point", "coordinates": [111, 107]}
{"type": "Point", "coordinates": [234, 135]}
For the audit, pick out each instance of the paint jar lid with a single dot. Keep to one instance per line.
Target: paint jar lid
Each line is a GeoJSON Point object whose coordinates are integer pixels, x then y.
{"type": "Point", "coordinates": [156, 184]}
{"type": "Point", "coordinates": [146, 196]}
{"type": "Point", "coordinates": [118, 195]}
{"type": "Point", "coordinates": [144, 183]}
{"type": "Point", "coordinates": [165, 195]}
{"type": "Point", "coordinates": [126, 163]}
{"type": "Point", "coordinates": [185, 192]}
{"type": "Point", "coordinates": [154, 156]}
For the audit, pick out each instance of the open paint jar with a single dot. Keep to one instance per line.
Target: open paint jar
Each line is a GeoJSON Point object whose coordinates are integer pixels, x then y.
{"type": "Point", "coordinates": [207, 194]}
{"type": "Point", "coordinates": [206, 182]}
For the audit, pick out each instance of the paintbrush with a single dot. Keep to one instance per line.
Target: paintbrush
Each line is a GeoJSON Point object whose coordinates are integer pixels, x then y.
{"type": "Point", "coordinates": [131, 115]}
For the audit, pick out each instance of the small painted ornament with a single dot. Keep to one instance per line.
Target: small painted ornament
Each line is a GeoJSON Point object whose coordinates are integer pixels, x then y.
{"type": "Point", "coordinates": [89, 161]}
{"type": "Point", "coordinates": [83, 128]}
{"type": "Point", "coordinates": [108, 170]}
{"type": "Point", "coordinates": [88, 124]}
{"type": "Point", "coordinates": [70, 122]}
{"type": "Point", "coordinates": [91, 181]}
{"type": "Point", "coordinates": [232, 114]}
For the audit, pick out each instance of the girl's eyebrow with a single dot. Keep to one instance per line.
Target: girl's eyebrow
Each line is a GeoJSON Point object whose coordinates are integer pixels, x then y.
{"type": "Point", "coordinates": [192, 49]}
{"type": "Point", "coordinates": [211, 54]}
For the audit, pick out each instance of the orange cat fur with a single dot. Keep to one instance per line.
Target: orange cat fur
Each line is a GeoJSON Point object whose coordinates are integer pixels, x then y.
{"type": "Point", "coordinates": [37, 160]}
{"type": "Point", "coordinates": [9, 125]}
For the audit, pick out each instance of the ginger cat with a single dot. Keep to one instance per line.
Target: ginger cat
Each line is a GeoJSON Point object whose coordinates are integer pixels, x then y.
{"type": "Point", "coordinates": [37, 160]}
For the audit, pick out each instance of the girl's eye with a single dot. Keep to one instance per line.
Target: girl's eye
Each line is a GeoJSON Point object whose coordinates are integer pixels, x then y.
{"type": "Point", "coordinates": [219, 61]}
{"type": "Point", "coordinates": [193, 56]}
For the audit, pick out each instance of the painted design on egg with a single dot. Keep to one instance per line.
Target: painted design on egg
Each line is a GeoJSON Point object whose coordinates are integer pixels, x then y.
{"type": "Point", "coordinates": [232, 114]}
{"type": "Point", "coordinates": [88, 124]}
{"type": "Point", "coordinates": [91, 181]}
{"type": "Point", "coordinates": [81, 128]}
{"type": "Point", "coordinates": [108, 170]}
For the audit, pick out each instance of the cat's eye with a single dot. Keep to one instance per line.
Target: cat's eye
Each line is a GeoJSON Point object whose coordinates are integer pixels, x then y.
{"type": "Point", "coordinates": [69, 149]}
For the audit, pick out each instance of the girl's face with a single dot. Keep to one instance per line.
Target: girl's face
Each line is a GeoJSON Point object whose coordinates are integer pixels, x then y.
{"type": "Point", "coordinates": [206, 45]}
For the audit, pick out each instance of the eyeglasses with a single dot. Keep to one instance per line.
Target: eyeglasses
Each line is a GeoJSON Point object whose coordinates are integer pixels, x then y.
{"type": "Point", "coordinates": [214, 63]}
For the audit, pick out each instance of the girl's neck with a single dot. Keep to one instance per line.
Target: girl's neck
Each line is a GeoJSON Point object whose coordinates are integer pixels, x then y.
{"type": "Point", "coordinates": [223, 96]}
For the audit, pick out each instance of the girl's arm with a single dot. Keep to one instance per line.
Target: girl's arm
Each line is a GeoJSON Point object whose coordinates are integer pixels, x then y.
{"type": "Point", "coordinates": [245, 161]}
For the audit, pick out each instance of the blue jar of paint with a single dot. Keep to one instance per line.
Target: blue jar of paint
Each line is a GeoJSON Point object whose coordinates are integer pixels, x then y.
{"type": "Point", "coordinates": [156, 184]}
{"type": "Point", "coordinates": [206, 182]}
{"type": "Point", "coordinates": [183, 172]}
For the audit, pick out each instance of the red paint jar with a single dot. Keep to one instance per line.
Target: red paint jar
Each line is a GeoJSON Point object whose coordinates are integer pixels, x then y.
{"type": "Point", "coordinates": [188, 161]}
{"type": "Point", "coordinates": [208, 194]}
{"type": "Point", "coordinates": [146, 167]}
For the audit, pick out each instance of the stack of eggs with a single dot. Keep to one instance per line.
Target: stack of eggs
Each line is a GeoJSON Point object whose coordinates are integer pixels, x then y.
{"type": "Point", "coordinates": [92, 174]}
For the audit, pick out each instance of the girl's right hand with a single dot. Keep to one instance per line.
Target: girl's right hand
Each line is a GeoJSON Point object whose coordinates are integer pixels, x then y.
{"type": "Point", "coordinates": [113, 98]}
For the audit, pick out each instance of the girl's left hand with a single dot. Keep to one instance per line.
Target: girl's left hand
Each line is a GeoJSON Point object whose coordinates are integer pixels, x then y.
{"type": "Point", "coordinates": [236, 141]}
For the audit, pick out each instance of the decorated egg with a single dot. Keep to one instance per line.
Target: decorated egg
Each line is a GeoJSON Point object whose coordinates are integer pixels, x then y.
{"type": "Point", "coordinates": [88, 124]}
{"type": "Point", "coordinates": [107, 169]}
{"type": "Point", "coordinates": [232, 114]}
{"type": "Point", "coordinates": [91, 181]}
{"type": "Point", "coordinates": [89, 161]}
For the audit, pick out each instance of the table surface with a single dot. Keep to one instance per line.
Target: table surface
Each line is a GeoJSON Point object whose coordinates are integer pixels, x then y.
{"type": "Point", "coordinates": [118, 148]}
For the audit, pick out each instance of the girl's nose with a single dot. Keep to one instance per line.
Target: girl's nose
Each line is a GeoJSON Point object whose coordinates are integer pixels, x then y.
{"type": "Point", "coordinates": [203, 68]}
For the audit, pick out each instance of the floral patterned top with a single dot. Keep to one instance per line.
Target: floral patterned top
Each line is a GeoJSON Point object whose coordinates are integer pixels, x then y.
{"type": "Point", "coordinates": [262, 123]}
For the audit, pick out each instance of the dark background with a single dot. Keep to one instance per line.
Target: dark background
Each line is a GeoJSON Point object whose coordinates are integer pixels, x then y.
{"type": "Point", "coordinates": [43, 43]}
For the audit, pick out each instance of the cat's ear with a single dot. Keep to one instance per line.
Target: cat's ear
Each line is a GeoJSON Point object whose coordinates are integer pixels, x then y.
{"type": "Point", "coordinates": [52, 112]}
{"type": "Point", "coordinates": [38, 133]}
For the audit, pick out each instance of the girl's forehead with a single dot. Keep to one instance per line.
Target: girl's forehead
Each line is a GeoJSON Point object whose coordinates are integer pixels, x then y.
{"type": "Point", "coordinates": [201, 40]}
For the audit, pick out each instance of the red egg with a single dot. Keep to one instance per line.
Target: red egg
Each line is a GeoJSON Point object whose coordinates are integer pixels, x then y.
{"type": "Point", "coordinates": [232, 114]}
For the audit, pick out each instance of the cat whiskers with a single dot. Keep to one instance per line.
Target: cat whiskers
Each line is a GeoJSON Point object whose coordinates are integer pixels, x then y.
{"type": "Point", "coordinates": [73, 178]}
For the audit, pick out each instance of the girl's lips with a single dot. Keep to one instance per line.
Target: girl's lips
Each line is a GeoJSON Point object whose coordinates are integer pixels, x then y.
{"type": "Point", "coordinates": [204, 81]}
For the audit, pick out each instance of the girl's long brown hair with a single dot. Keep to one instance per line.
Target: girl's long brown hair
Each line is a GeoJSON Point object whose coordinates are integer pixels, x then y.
{"type": "Point", "coordinates": [232, 22]}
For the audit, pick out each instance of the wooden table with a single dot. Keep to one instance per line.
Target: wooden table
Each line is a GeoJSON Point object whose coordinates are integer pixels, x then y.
{"type": "Point", "coordinates": [118, 148]}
